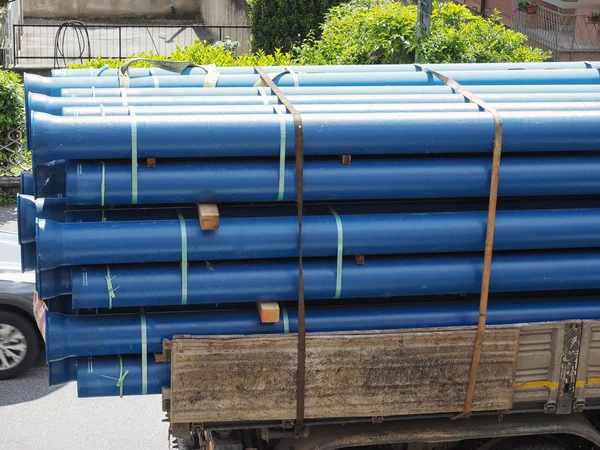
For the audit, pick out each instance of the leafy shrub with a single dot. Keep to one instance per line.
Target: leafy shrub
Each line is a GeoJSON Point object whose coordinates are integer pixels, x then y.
{"type": "Point", "coordinates": [459, 36]}
{"type": "Point", "coordinates": [12, 117]}
{"type": "Point", "coordinates": [201, 52]}
{"type": "Point", "coordinates": [384, 32]}
{"type": "Point", "coordinates": [280, 24]}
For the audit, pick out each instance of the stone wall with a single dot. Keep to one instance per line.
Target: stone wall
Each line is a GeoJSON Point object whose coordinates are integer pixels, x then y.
{"type": "Point", "coordinates": [213, 12]}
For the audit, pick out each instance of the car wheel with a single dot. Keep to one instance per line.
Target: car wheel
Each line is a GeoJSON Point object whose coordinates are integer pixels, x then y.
{"type": "Point", "coordinates": [18, 344]}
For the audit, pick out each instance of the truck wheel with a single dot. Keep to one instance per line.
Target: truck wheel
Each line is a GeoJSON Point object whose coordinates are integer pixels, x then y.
{"type": "Point", "coordinates": [19, 342]}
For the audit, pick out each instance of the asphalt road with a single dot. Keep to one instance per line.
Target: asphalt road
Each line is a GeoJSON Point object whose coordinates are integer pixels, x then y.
{"type": "Point", "coordinates": [36, 416]}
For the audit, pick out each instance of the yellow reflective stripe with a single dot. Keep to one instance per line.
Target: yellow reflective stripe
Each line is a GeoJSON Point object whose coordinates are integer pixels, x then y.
{"type": "Point", "coordinates": [553, 385]}
{"type": "Point", "coordinates": [536, 384]}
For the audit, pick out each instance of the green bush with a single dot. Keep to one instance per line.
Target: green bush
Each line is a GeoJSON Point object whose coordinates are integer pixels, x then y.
{"type": "Point", "coordinates": [12, 117]}
{"type": "Point", "coordinates": [280, 24]}
{"type": "Point", "coordinates": [200, 53]}
{"type": "Point", "coordinates": [384, 32]}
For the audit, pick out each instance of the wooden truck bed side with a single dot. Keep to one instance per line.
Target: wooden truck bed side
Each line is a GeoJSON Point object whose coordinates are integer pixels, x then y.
{"type": "Point", "coordinates": [217, 379]}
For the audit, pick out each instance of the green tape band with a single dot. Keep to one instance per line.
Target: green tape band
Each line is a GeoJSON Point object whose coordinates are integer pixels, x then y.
{"type": "Point", "coordinates": [294, 75]}
{"type": "Point", "coordinates": [286, 320]}
{"type": "Point", "coordinates": [93, 91]}
{"type": "Point", "coordinates": [340, 252]}
{"type": "Point", "coordinates": [109, 287]}
{"type": "Point", "coordinates": [103, 191]}
{"type": "Point", "coordinates": [144, 352]}
{"type": "Point", "coordinates": [282, 143]}
{"type": "Point", "coordinates": [184, 259]}
{"type": "Point", "coordinates": [134, 157]}
{"type": "Point", "coordinates": [264, 95]}
{"type": "Point", "coordinates": [102, 69]}
{"type": "Point", "coordinates": [103, 185]}
{"type": "Point", "coordinates": [122, 375]}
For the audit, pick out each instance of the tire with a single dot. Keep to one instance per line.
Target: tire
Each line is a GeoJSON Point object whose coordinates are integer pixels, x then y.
{"type": "Point", "coordinates": [21, 331]}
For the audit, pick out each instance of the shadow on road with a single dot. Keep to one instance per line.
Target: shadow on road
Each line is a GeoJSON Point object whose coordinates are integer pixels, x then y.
{"type": "Point", "coordinates": [30, 386]}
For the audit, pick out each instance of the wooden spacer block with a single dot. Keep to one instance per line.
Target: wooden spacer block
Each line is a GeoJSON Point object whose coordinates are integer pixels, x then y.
{"type": "Point", "coordinates": [165, 355]}
{"type": "Point", "coordinates": [268, 311]}
{"type": "Point", "coordinates": [151, 163]}
{"type": "Point", "coordinates": [166, 399]}
{"type": "Point", "coordinates": [346, 160]}
{"type": "Point", "coordinates": [208, 213]}
{"type": "Point", "coordinates": [359, 259]}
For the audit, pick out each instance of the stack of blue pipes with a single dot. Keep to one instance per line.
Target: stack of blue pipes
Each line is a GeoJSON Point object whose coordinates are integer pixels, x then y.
{"type": "Point", "coordinates": [393, 232]}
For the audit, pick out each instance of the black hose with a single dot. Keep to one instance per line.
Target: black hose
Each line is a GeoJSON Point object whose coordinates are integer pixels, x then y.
{"type": "Point", "coordinates": [83, 42]}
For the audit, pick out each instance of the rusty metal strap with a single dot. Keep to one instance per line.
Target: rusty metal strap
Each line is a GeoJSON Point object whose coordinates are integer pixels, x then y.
{"type": "Point", "coordinates": [489, 235]}
{"type": "Point", "coordinates": [299, 150]}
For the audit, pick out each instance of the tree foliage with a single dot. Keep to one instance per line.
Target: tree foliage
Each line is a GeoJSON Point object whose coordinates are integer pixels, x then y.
{"type": "Point", "coordinates": [384, 32]}
{"type": "Point", "coordinates": [281, 24]}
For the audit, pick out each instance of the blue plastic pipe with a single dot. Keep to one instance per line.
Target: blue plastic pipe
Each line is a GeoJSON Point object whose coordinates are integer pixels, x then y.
{"type": "Point", "coordinates": [98, 376]}
{"type": "Point", "coordinates": [218, 282]}
{"type": "Point", "coordinates": [325, 108]}
{"type": "Point", "coordinates": [71, 336]}
{"type": "Point", "coordinates": [256, 181]}
{"type": "Point", "coordinates": [84, 138]}
{"type": "Point", "coordinates": [26, 183]}
{"type": "Point", "coordinates": [28, 256]}
{"type": "Point", "coordinates": [127, 93]}
{"type": "Point", "coordinates": [55, 105]}
{"type": "Point", "coordinates": [28, 209]}
{"type": "Point", "coordinates": [53, 86]}
{"type": "Point", "coordinates": [69, 244]}
{"type": "Point", "coordinates": [145, 72]}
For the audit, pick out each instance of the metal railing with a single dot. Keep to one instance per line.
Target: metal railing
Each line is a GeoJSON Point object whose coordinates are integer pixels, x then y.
{"type": "Point", "coordinates": [10, 14]}
{"type": "Point", "coordinates": [560, 27]}
{"type": "Point", "coordinates": [14, 157]}
{"type": "Point", "coordinates": [46, 45]}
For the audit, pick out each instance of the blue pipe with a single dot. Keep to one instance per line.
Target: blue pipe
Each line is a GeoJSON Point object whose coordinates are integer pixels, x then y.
{"type": "Point", "coordinates": [65, 370]}
{"type": "Point", "coordinates": [324, 108]}
{"type": "Point", "coordinates": [69, 244]}
{"type": "Point", "coordinates": [71, 336]}
{"type": "Point", "coordinates": [257, 181]}
{"type": "Point", "coordinates": [84, 138]}
{"type": "Point", "coordinates": [219, 282]}
{"type": "Point", "coordinates": [53, 86]}
{"type": "Point", "coordinates": [26, 183]}
{"type": "Point", "coordinates": [325, 90]}
{"type": "Point", "coordinates": [97, 376]}
{"type": "Point", "coordinates": [28, 256]}
{"type": "Point", "coordinates": [146, 72]}
{"type": "Point", "coordinates": [28, 209]}
{"type": "Point", "coordinates": [55, 105]}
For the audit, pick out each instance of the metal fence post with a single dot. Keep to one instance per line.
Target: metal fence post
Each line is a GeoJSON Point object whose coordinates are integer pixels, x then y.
{"type": "Point", "coordinates": [120, 43]}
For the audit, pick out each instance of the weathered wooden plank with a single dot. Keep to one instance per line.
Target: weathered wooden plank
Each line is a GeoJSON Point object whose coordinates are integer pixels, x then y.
{"type": "Point", "coordinates": [249, 378]}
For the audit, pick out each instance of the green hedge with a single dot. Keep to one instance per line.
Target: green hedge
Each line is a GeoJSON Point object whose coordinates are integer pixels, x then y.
{"type": "Point", "coordinates": [200, 53]}
{"type": "Point", "coordinates": [384, 32]}
{"type": "Point", "coordinates": [280, 24]}
{"type": "Point", "coordinates": [12, 116]}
